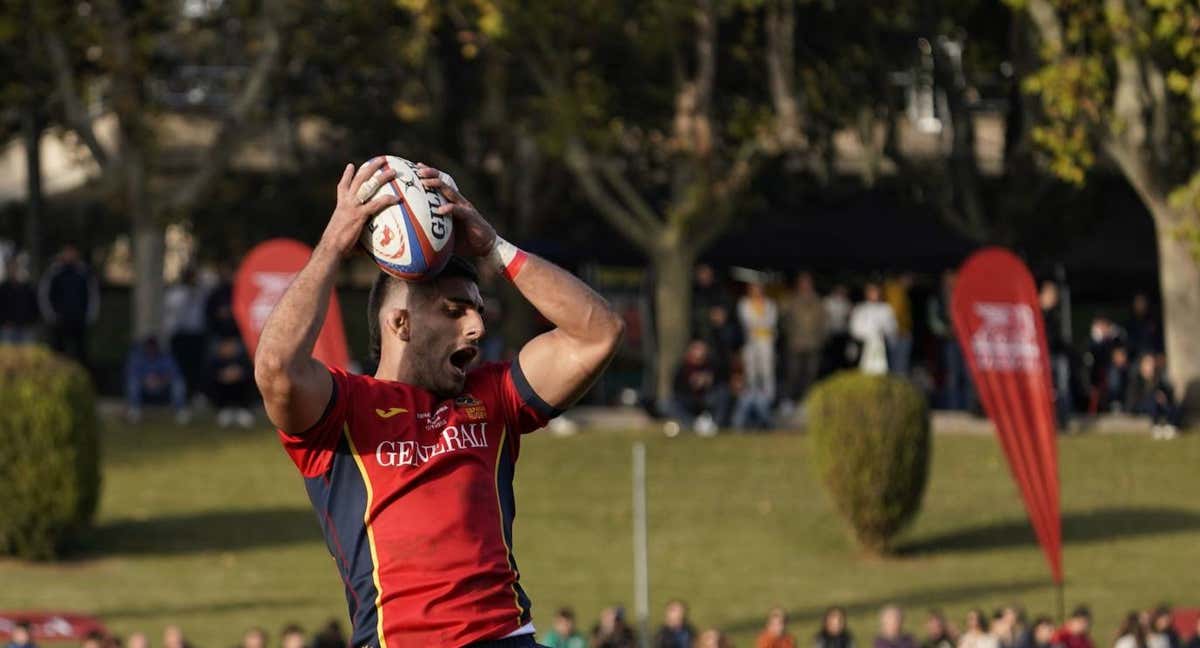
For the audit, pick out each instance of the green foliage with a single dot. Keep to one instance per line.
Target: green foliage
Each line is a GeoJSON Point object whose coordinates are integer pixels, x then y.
{"type": "Point", "coordinates": [49, 454]}
{"type": "Point", "coordinates": [870, 447]}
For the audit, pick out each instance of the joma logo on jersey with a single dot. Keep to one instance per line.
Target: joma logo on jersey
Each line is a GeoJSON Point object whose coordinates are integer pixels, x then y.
{"type": "Point", "coordinates": [452, 439]}
{"type": "Point", "coordinates": [389, 413]}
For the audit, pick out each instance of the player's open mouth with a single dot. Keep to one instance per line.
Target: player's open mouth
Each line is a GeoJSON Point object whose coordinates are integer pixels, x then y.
{"type": "Point", "coordinates": [462, 358]}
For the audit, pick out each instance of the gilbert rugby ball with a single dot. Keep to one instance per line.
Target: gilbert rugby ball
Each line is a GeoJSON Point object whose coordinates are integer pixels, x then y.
{"type": "Point", "coordinates": [408, 240]}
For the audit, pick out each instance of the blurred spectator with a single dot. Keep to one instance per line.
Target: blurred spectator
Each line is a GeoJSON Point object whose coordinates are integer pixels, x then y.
{"type": "Point", "coordinates": [713, 638]}
{"type": "Point", "coordinates": [563, 634]}
{"type": "Point", "coordinates": [891, 629]}
{"type": "Point", "coordinates": [1075, 633]}
{"type": "Point", "coordinates": [700, 401]}
{"type": "Point", "coordinates": [775, 634]}
{"type": "Point", "coordinates": [69, 299]}
{"type": "Point", "coordinates": [957, 391]}
{"type": "Point", "coordinates": [218, 306]}
{"type": "Point", "coordinates": [1144, 333]}
{"type": "Point", "coordinates": [1118, 381]}
{"type": "Point", "coordinates": [676, 631]}
{"type": "Point", "coordinates": [1042, 635]}
{"type": "Point", "coordinates": [1104, 336]}
{"type": "Point", "coordinates": [184, 327]}
{"type": "Point", "coordinates": [611, 630]}
{"type": "Point", "coordinates": [138, 640]}
{"type": "Point", "coordinates": [975, 633]}
{"type": "Point", "coordinates": [111, 641]}
{"type": "Point", "coordinates": [833, 632]}
{"type": "Point", "coordinates": [724, 339]}
{"type": "Point", "coordinates": [230, 375]}
{"type": "Point", "coordinates": [1059, 347]}
{"type": "Point", "coordinates": [804, 317]}
{"type": "Point", "coordinates": [1151, 395]}
{"type": "Point", "coordinates": [837, 309]}
{"type": "Point", "coordinates": [18, 306]}
{"type": "Point", "coordinates": [292, 636]}
{"type": "Point", "coordinates": [1195, 640]}
{"type": "Point", "coordinates": [173, 638]}
{"type": "Point", "coordinates": [1131, 634]}
{"type": "Point", "coordinates": [896, 294]}
{"type": "Point", "coordinates": [937, 633]}
{"type": "Point", "coordinates": [836, 354]}
{"type": "Point", "coordinates": [22, 635]}
{"type": "Point", "coordinates": [94, 639]}
{"type": "Point", "coordinates": [1018, 626]}
{"type": "Point", "coordinates": [254, 638]}
{"type": "Point", "coordinates": [751, 409]}
{"type": "Point", "coordinates": [1003, 628]}
{"type": "Point", "coordinates": [330, 636]}
{"type": "Point", "coordinates": [873, 323]}
{"type": "Point", "coordinates": [759, 318]}
{"type": "Point", "coordinates": [152, 376]}
{"type": "Point", "coordinates": [707, 293]}
{"type": "Point", "coordinates": [1162, 632]}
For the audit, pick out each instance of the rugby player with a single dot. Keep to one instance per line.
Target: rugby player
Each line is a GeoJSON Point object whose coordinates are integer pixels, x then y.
{"type": "Point", "coordinates": [411, 471]}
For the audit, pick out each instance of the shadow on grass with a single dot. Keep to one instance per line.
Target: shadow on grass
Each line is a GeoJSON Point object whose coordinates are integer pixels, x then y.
{"type": "Point", "coordinates": [1078, 527]}
{"type": "Point", "coordinates": [913, 600]}
{"type": "Point", "coordinates": [198, 532]}
{"type": "Point", "coordinates": [173, 611]}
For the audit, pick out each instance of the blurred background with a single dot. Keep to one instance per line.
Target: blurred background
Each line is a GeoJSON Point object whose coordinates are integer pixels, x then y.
{"type": "Point", "coordinates": [763, 188]}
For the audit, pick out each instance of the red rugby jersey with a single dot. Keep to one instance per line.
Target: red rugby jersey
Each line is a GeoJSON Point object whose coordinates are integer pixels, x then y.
{"type": "Point", "coordinates": [414, 495]}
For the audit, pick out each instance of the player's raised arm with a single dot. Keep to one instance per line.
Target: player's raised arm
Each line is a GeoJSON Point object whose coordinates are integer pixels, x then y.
{"type": "Point", "coordinates": [561, 364]}
{"type": "Point", "coordinates": [295, 387]}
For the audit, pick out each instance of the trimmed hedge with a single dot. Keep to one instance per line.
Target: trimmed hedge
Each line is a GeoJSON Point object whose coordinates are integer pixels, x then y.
{"type": "Point", "coordinates": [870, 447]}
{"type": "Point", "coordinates": [49, 452]}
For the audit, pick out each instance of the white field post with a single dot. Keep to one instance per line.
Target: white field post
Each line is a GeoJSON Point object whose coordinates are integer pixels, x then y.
{"type": "Point", "coordinates": [641, 570]}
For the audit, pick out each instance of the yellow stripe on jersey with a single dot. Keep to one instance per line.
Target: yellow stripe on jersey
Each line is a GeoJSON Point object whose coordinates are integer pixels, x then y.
{"type": "Point", "coordinates": [362, 469]}
{"type": "Point", "coordinates": [500, 511]}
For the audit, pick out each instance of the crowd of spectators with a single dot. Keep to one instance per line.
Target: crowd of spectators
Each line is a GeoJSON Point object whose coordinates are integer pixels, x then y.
{"type": "Point", "coordinates": [1007, 627]}
{"type": "Point", "coordinates": [196, 357]}
{"type": "Point", "coordinates": [758, 345]}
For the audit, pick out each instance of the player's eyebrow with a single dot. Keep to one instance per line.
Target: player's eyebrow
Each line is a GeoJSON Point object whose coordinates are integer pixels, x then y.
{"type": "Point", "coordinates": [466, 301]}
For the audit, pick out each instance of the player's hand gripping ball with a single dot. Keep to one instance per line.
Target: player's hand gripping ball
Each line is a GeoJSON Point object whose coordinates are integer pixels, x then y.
{"type": "Point", "coordinates": [409, 240]}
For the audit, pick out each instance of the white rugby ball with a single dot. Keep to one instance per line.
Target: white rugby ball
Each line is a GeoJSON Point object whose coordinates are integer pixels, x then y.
{"type": "Point", "coordinates": [408, 240]}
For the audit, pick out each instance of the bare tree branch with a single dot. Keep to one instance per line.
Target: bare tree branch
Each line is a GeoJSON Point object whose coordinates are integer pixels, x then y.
{"type": "Point", "coordinates": [636, 204]}
{"type": "Point", "coordinates": [780, 26]}
{"type": "Point", "coordinates": [1049, 28]}
{"type": "Point", "coordinates": [582, 167]}
{"type": "Point", "coordinates": [77, 117]}
{"type": "Point", "coordinates": [232, 127]}
{"type": "Point", "coordinates": [725, 194]}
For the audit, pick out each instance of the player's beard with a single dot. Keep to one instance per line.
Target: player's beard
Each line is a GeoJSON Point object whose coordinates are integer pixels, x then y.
{"type": "Point", "coordinates": [430, 358]}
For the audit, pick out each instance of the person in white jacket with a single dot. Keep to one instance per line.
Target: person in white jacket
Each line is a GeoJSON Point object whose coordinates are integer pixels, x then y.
{"type": "Point", "coordinates": [760, 319]}
{"type": "Point", "coordinates": [873, 323]}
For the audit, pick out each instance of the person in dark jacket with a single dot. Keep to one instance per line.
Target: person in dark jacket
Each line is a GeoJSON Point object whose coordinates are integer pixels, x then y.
{"type": "Point", "coordinates": [1144, 333]}
{"type": "Point", "coordinates": [676, 631]}
{"type": "Point", "coordinates": [833, 632]}
{"type": "Point", "coordinates": [698, 390]}
{"type": "Point", "coordinates": [1151, 395]}
{"type": "Point", "coordinates": [18, 307]}
{"type": "Point", "coordinates": [611, 631]}
{"type": "Point", "coordinates": [230, 375]}
{"type": "Point", "coordinates": [69, 298]}
{"type": "Point", "coordinates": [151, 376]}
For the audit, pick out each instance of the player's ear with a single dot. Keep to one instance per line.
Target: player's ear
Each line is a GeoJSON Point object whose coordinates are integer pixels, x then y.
{"type": "Point", "coordinates": [398, 323]}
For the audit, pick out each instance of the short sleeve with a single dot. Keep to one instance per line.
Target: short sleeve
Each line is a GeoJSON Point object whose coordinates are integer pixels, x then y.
{"type": "Point", "coordinates": [523, 408]}
{"type": "Point", "coordinates": [312, 450]}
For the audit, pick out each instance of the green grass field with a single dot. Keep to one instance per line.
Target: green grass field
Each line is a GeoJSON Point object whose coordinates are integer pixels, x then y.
{"type": "Point", "coordinates": [210, 529]}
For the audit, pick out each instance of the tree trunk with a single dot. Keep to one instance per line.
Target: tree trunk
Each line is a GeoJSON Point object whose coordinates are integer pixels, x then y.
{"type": "Point", "coordinates": [672, 263]}
{"type": "Point", "coordinates": [1179, 279]}
{"type": "Point", "coordinates": [149, 247]}
{"type": "Point", "coordinates": [31, 128]}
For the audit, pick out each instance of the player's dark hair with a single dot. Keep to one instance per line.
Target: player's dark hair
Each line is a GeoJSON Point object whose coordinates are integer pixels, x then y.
{"type": "Point", "coordinates": [383, 284]}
